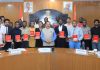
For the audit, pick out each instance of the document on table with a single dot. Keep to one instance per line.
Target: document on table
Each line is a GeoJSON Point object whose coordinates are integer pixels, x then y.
{"type": "Point", "coordinates": [21, 49]}
{"type": "Point", "coordinates": [44, 50]}
{"type": "Point", "coordinates": [1, 55]}
{"type": "Point", "coordinates": [98, 54]}
{"type": "Point", "coordinates": [16, 51]}
{"type": "Point", "coordinates": [81, 52]}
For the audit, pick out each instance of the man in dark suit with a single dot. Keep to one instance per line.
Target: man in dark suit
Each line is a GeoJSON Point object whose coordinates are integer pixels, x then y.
{"type": "Point", "coordinates": [62, 33]}
{"type": "Point", "coordinates": [8, 32]}
{"type": "Point", "coordinates": [15, 32]}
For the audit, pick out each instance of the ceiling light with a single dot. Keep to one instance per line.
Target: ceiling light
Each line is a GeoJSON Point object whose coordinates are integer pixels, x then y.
{"type": "Point", "coordinates": [52, 0]}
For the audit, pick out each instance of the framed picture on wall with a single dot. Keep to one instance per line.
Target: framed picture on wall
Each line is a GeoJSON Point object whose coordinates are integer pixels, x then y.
{"type": "Point", "coordinates": [28, 7]}
{"type": "Point", "coordinates": [67, 6]}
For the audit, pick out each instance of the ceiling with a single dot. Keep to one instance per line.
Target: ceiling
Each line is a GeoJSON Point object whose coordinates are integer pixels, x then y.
{"type": "Point", "coordinates": [24, 0]}
{"type": "Point", "coordinates": [86, 0]}
{"type": "Point", "coordinates": [11, 0]}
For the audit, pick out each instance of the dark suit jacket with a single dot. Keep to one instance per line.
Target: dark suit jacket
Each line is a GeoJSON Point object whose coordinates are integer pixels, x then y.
{"type": "Point", "coordinates": [38, 41]}
{"type": "Point", "coordinates": [10, 30]}
{"type": "Point", "coordinates": [8, 44]}
{"type": "Point", "coordinates": [63, 29]}
{"type": "Point", "coordinates": [61, 42]}
{"type": "Point", "coordinates": [15, 31]}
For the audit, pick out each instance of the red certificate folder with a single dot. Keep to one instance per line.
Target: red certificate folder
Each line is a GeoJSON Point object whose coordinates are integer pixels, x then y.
{"type": "Point", "coordinates": [95, 38]}
{"type": "Point", "coordinates": [25, 37]}
{"type": "Point", "coordinates": [1, 45]}
{"type": "Point", "coordinates": [32, 33]}
{"type": "Point", "coordinates": [8, 38]}
{"type": "Point", "coordinates": [61, 34]}
{"type": "Point", "coordinates": [75, 37]}
{"type": "Point", "coordinates": [17, 38]}
{"type": "Point", "coordinates": [86, 36]}
{"type": "Point", "coordinates": [37, 35]}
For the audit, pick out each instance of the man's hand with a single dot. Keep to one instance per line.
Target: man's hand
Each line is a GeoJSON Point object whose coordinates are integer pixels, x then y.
{"type": "Point", "coordinates": [48, 41]}
{"type": "Point", "coordinates": [75, 40]}
{"type": "Point", "coordinates": [62, 37]}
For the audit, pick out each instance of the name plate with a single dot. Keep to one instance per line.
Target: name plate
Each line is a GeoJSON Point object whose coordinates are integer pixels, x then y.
{"type": "Point", "coordinates": [81, 52]}
{"type": "Point", "coordinates": [98, 54]}
{"type": "Point", "coordinates": [21, 49]}
{"type": "Point", "coordinates": [44, 50]}
{"type": "Point", "coordinates": [14, 51]}
{"type": "Point", "coordinates": [1, 55]}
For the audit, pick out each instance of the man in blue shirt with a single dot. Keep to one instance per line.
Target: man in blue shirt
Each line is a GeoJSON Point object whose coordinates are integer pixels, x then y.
{"type": "Point", "coordinates": [75, 36]}
{"type": "Point", "coordinates": [48, 35]}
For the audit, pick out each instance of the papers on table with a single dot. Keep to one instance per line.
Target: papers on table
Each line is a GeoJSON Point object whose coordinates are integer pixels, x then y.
{"type": "Point", "coordinates": [0, 54]}
{"type": "Point", "coordinates": [90, 51]}
{"type": "Point", "coordinates": [22, 49]}
{"type": "Point", "coordinates": [98, 54]}
{"type": "Point", "coordinates": [95, 50]}
{"type": "Point", "coordinates": [16, 51]}
{"type": "Point", "coordinates": [81, 52]}
{"type": "Point", "coordinates": [44, 50]}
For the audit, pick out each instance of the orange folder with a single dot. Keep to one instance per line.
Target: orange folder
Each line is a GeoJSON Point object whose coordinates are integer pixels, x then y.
{"type": "Point", "coordinates": [86, 36]}
{"type": "Point", "coordinates": [61, 34]}
{"type": "Point", "coordinates": [25, 37]}
{"type": "Point", "coordinates": [1, 45]}
{"type": "Point", "coordinates": [75, 37]}
{"type": "Point", "coordinates": [17, 38]}
{"type": "Point", "coordinates": [37, 35]}
{"type": "Point", "coordinates": [8, 38]}
{"type": "Point", "coordinates": [95, 38]}
{"type": "Point", "coordinates": [32, 33]}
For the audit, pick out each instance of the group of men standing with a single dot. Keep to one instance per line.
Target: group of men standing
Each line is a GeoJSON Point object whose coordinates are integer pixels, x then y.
{"type": "Point", "coordinates": [69, 35]}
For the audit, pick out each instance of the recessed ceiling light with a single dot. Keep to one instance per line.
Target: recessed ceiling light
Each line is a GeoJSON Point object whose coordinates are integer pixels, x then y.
{"type": "Point", "coordinates": [9, 5]}
{"type": "Point", "coordinates": [52, 0]}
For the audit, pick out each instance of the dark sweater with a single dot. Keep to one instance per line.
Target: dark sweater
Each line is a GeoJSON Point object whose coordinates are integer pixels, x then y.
{"type": "Point", "coordinates": [95, 31]}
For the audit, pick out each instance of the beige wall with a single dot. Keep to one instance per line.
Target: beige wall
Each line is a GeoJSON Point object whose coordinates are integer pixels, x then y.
{"type": "Point", "coordinates": [13, 12]}
{"type": "Point", "coordinates": [10, 12]}
{"type": "Point", "coordinates": [47, 4]}
{"type": "Point", "coordinates": [88, 10]}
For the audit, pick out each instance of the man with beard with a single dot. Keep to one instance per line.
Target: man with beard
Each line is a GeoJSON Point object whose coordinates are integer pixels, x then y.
{"type": "Point", "coordinates": [62, 33]}
{"type": "Point", "coordinates": [95, 32]}
{"type": "Point", "coordinates": [87, 36]}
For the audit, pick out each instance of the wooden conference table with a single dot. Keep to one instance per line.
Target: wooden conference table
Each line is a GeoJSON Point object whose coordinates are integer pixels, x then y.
{"type": "Point", "coordinates": [60, 59]}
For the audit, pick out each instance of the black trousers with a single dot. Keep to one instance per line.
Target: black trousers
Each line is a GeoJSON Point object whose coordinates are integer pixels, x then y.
{"type": "Point", "coordinates": [17, 45]}
{"type": "Point", "coordinates": [1, 49]}
{"type": "Point", "coordinates": [61, 43]}
{"type": "Point", "coordinates": [48, 46]}
{"type": "Point", "coordinates": [7, 45]}
{"type": "Point", "coordinates": [88, 43]}
{"type": "Point", "coordinates": [25, 44]}
{"type": "Point", "coordinates": [38, 43]}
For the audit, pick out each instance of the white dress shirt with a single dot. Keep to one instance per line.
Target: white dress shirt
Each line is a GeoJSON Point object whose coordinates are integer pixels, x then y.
{"type": "Point", "coordinates": [2, 32]}
{"type": "Point", "coordinates": [60, 28]}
